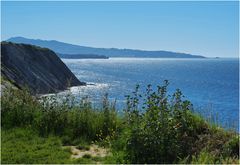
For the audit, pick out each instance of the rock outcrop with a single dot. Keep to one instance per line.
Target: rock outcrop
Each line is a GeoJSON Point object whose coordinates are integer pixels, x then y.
{"type": "Point", "coordinates": [36, 68]}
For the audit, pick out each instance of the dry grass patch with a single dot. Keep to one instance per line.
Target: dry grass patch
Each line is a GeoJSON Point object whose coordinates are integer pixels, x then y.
{"type": "Point", "coordinates": [93, 151]}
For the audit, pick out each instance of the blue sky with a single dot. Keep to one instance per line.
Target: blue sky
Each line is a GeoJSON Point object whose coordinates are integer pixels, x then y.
{"type": "Point", "coordinates": [204, 28]}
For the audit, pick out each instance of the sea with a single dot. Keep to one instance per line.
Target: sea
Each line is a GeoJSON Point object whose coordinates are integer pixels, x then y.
{"type": "Point", "coordinates": [212, 85]}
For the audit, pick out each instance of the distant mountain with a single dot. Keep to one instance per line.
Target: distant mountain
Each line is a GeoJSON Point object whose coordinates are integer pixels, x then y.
{"type": "Point", "coordinates": [80, 56]}
{"type": "Point", "coordinates": [39, 69]}
{"type": "Point", "coordinates": [65, 48]}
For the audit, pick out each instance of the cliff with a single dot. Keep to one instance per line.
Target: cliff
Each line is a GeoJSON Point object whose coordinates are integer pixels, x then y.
{"type": "Point", "coordinates": [39, 69]}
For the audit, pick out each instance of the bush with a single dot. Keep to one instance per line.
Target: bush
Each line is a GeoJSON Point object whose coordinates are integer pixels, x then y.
{"type": "Point", "coordinates": [18, 108]}
{"type": "Point", "coordinates": [231, 148]}
{"type": "Point", "coordinates": [164, 130]}
{"type": "Point", "coordinates": [49, 116]}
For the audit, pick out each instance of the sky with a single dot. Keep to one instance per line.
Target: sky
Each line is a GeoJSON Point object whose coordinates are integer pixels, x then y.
{"type": "Point", "coordinates": [201, 28]}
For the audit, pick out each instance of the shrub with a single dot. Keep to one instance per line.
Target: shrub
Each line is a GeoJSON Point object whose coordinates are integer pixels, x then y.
{"type": "Point", "coordinates": [18, 108]}
{"type": "Point", "coordinates": [164, 130]}
{"type": "Point", "coordinates": [231, 148]}
{"type": "Point", "coordinates": [62, 118]}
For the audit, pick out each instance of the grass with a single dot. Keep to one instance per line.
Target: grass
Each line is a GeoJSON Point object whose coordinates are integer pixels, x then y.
{"type": "Point", "coordinates": [21, 145]}
{"type": "Point", "coordinates": [155, 128]}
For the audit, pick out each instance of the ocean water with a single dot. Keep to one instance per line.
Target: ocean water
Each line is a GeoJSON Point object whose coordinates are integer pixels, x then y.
{"type": "Point", "coordinates": [212, 85]}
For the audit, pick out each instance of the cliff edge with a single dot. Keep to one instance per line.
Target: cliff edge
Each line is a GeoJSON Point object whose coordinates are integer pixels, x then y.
{"type": "Point", "coordinates": [39, 69]}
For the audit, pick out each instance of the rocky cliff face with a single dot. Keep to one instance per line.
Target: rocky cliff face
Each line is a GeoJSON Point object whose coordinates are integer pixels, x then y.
{"type": "Point", "coordinates": [37, 68]}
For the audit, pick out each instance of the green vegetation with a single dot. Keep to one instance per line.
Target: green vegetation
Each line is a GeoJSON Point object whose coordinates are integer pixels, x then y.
{"type": "Point", "coordinates": [21, 145]}
{"type": "Point", "coordinates": [155, 128]}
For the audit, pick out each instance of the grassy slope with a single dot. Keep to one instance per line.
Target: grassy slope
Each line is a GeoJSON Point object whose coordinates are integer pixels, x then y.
{"type": "Point", "coordinates": [21, 145]}
{"type": "Point", "coordinates": [34, 132]}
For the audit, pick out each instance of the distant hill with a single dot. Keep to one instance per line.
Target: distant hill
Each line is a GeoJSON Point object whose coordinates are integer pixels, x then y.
{"type": "Point", "coordinates": [65, 48]}
{"type": "Point", "coordinates": [80, 56]}
{"type": "Point", "coordinates": [40, 69]}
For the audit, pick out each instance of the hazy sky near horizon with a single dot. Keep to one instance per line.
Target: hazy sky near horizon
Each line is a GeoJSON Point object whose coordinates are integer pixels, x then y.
{"type": "Point", "coordinates": [202, 28]}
